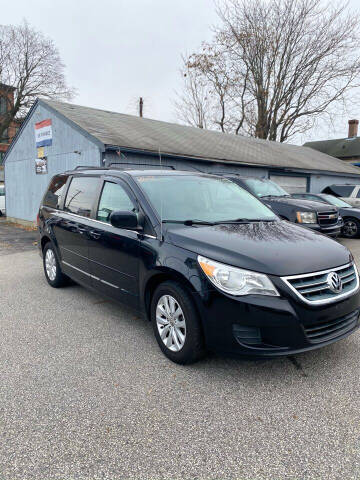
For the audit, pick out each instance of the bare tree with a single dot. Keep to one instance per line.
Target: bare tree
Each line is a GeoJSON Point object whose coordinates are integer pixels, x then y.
{"type": "Point", "coordinates": [192, 106]}
{"type": "Point", "coordinates": [30, 63]}
{"type": "Point", "coordinates": [283, 64]}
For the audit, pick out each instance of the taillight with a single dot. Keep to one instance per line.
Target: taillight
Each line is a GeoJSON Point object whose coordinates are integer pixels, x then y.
{"type": "Point", "coordinates": [38, 220]}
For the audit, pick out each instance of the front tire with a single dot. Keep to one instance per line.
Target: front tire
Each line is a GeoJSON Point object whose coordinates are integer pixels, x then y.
{"type": "Point", "coordinates": [176, 323]}
{"type": "Point", "coordinates": [351, 228]}
{"type": "Point", "coordinates": [52, 270]}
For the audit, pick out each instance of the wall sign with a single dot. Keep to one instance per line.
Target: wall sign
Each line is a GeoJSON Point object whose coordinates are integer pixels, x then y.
{"type": "Point", "coordinates": [40, 152]}
{"type": "Point", "coordinates": [43, 133]}
{"type": "Point", "coordinates": [41, 166]}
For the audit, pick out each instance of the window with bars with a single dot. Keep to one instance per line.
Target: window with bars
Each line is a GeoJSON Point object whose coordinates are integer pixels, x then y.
{"type": "Point", "coordinates": [5, 136]}
{"type": "Point", "coordinates": [3, 105]}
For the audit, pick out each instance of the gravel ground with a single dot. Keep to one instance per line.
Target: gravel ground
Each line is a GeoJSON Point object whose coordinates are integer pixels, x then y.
{"type": "Point", "coordinates": [85, 393]}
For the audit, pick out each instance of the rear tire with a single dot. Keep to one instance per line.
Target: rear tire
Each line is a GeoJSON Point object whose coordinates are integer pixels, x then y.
{"type": "Point", "coordinates": [351, 228]}
{"type": "Point", "coordinates": [176, 323]}
{"type": "Point", "coordinates": [52, 270]}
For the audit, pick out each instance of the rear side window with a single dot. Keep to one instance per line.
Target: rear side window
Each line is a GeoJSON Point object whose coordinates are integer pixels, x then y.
{"type": "Point", "coordinates": [81, 195]}
{"type": "Point", "coordinates": [339, 190]}
{"type": "Point", "coordinates": [344, 191]}
{"type": "Point", "coordinates": [113, 198]}
{"type": "Point", "coordinates": [56, 188]}
{"type": "Point", "coordinates": [312, 197]}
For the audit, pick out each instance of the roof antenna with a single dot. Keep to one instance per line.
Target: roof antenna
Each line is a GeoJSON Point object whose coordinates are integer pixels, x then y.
{"type": "Point", "coordinates": [161, 205]}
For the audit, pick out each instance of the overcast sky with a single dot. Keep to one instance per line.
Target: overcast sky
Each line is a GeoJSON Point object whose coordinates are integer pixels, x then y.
{"type": "Point", "coordinates": [118, 50]}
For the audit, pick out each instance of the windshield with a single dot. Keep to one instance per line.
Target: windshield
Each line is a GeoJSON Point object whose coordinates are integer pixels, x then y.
{"type": "Point", "coordinates": [265, 188]}
{"type": "Point", "coordinates": [201, 198]}
{"type": "Point", "coordinates": [335, 201]}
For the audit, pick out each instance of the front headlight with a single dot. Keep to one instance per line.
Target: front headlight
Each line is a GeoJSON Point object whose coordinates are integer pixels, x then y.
{"type": "Point", "coordinates": [306, 217]}
{"type": "Point", "coordinates": [236, 281]}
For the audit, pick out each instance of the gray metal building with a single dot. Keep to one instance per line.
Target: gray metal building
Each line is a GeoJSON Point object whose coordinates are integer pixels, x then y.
{"type": "Point", "coordinates": [87, 136]}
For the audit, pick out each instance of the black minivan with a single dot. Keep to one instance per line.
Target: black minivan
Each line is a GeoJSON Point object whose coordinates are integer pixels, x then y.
{"type": "Point", "coordinates": [211, 266]}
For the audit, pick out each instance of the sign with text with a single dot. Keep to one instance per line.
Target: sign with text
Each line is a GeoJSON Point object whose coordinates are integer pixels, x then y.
{"type": "Point", "coordinates": [43, 133]}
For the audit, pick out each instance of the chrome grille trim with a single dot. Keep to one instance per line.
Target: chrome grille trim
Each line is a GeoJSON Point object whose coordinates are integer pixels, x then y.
{"type": "Point", "coordinates": [348, 277]}
{"type": "Point", "coordinates": [328, 218]}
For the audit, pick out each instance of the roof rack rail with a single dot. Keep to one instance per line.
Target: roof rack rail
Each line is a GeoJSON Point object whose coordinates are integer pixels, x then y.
{"type": "Point", "coordinates": [113, 164]}
{"type": "Point", "coordinates": [86, 167]}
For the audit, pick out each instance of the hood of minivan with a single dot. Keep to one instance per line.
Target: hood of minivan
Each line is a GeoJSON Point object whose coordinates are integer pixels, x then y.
{"type": "Point", "coordinates": [275, 248]}
{"type": "Point", "coordinates": [302, 205]}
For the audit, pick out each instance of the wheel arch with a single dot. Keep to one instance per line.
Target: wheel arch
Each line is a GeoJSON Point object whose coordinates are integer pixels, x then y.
{"type": "Point", "coordinates": [354, 219]}
{"type": "Point", "coordinates": [160, 277]}
{"type": "Point", "coordinates": [44, 240]}
{"type": "Point", "coordinates": [350, 217]}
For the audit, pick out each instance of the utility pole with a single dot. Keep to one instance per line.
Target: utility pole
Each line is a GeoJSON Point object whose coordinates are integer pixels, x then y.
{"type": "Point", "coordinates": [141, 105]}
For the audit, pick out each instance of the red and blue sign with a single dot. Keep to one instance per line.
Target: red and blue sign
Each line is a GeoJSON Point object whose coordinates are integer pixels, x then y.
{"type": "Point", "coordinates": [43, 133]}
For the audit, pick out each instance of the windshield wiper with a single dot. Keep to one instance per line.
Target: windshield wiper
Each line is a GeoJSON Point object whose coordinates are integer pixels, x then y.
{"type": "Point", "coordinates": [220, 222]}
{"type": "Point", "coordinates": [190, 222]}
{"type": "Point", "coordinates": [276, 196]}
{"type": "Point", "coordinates": [245, 220]}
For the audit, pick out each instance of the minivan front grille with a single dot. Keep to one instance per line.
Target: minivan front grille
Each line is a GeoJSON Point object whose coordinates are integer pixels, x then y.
{"type": "Point", "coordinates": [328, 218]}
{"type": "Point", "coordinates": [316, 288]}
{"type": "Point", "coordinates": [321, 332]}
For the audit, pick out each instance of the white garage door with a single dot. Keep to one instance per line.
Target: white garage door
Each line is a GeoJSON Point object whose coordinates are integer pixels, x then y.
{"type": "Point", "coordinates": [290, 184]}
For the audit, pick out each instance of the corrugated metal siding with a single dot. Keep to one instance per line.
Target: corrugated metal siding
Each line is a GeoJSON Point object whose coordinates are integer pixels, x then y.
{"type": "Point", "coordinates": [24, 189]}
{"type": "Point", "coordinates": [319, 182]}
{"type": "Point", "coordinates": [183, 164]}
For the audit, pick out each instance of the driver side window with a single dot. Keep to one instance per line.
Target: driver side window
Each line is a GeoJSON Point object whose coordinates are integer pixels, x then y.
{"type": "Point", "coordinates": [113, 198]}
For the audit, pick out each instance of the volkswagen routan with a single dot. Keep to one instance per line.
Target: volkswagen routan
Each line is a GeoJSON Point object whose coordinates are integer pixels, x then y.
{"type": "Point", "coordinates": [210, 266]}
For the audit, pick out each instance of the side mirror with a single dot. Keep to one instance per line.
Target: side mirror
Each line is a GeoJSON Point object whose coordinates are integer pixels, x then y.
{"type": "Point", "coordinates": [128, 220]}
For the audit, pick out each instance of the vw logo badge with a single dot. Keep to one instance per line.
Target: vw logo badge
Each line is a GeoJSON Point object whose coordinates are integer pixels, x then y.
{"type": "Point", "coordinates": [334, 282]}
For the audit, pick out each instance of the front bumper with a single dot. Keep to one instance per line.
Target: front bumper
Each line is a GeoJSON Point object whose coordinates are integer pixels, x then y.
{"type": "Point", "coordinates": [260, 326]}
{"type": "Point", "coordinates": [331, 231]}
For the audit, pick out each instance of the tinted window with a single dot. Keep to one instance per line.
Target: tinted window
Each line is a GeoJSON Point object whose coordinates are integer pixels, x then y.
{"type": "Point", "coordinates": [265, 188]}
{"type": "Point", "coordinates": [313, 197]}
{"type": "Point", "coordinates": [52, 197]}
{"type": "Point", "coordinates": [113, 198]}
{"type": "Point", "coordinates": [339, 190]}
{"type": "Point", "coordinates": [336, 201]}
{"type": "Point", "coordinates": [195, 197]}
{"type": "Point", "coordinates": [2, 192]}
{"type": "Point", "coordinates": [80, 196]}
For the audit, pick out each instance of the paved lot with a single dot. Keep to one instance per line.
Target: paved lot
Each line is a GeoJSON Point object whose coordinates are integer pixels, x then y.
{"type": "Point", "coordinates": [86, 394]}
{"type": "Point", "coordinates": [15, 239]}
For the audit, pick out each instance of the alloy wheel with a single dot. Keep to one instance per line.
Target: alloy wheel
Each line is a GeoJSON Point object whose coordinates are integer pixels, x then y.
{"type": "Point", "coordinates": [50, 264]}
{"type": "Point", "coordinates": [170, 321]}
{"type": "Point", "coordinates": [350, 228]}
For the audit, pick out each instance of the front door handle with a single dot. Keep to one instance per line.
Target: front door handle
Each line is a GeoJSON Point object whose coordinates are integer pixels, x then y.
{"type": "Point", "coordinates": [95, 235]}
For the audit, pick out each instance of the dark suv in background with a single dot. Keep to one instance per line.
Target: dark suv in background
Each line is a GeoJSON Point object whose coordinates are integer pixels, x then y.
{"type": "Point", "coordinates": [210, 265]}
{"type": "Point", "coordinates": [349, 214]}
{"type": "Point", "coordinates": [310, 214]}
